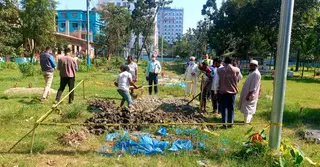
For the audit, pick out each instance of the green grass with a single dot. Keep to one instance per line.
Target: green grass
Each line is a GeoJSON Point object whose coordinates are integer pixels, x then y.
{"type": "Point", "coordinates": [17, 115]}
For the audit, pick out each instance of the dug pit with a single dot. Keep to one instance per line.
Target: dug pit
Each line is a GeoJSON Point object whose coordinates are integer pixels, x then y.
{"type": "Point", "coordinates": [148, 109]}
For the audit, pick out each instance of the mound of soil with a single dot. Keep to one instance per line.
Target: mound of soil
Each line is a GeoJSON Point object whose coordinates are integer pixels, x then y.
{"type": "Point", "coordinates": [147, 110]}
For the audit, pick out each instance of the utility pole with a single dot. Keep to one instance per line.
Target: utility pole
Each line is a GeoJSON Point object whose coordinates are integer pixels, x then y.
{"type": "Point", "coordinates": [88, 34]}
{"type": "Point", "coordinates": [162, 31]}
{"type": "Point", "coordinates": [281, 73]}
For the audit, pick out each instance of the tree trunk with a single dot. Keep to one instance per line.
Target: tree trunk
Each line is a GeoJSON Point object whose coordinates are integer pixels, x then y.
{"type": "Point", "coordinates": [108, 55]}
{"type": "Point", "coordinates": [298, 61]}
{"type": "Point", "coordinates": [303, 63]}
{"type": "Point", "coordinates": [274, 59]}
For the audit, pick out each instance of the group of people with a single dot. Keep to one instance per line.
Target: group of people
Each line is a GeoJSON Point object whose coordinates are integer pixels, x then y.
{"type": "Point", "coordinates": [129, 75]}
{"type": "Point", "coordinates": [219, 82]}
{"type": "Point", "coordinates": [67, 66]}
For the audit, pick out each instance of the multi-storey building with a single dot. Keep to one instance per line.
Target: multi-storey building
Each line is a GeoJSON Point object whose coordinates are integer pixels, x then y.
{"type": "Point", "coordinates": [74, 23]}
{"type": "Point", "coordinates": [124, 3]}
{"type": "Point", "coordinates": [170, 23]}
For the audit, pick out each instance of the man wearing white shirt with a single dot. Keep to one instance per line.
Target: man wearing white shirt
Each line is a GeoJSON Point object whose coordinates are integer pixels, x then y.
{"type": "Point", "coordinates": [215, 100]}
{"type": "Point", "coordinates": [191, 76]}
{"type": "Point", "coordinates": [123, 82]}
{"type": "Point", "coordinates": [153, 69]}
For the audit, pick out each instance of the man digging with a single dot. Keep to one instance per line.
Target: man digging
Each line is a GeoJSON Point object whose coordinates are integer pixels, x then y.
{"type": "Point", "coordinates": [123, 83]}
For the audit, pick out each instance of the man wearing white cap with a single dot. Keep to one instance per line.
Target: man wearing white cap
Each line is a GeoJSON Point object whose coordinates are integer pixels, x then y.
{"type": "Point", "coordinates": [191, 77]}
{"type": "Point", "coordinates": [250, 92]}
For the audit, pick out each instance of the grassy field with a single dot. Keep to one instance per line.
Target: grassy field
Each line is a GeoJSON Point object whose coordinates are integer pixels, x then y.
{"type": "Point", "coordinates": [19, 111]}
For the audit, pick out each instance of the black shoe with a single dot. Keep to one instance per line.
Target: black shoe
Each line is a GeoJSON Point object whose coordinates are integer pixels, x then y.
{"type": "Point", "coordinates": [224, 127]}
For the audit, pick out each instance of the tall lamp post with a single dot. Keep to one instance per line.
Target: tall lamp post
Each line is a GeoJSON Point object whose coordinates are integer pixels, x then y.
{"type": "Point", "coordinates": [88, 34]}
{"type": "Point", "coordinates": [281, 73]}
{"type": "Point", "coordinates": [162, 19]}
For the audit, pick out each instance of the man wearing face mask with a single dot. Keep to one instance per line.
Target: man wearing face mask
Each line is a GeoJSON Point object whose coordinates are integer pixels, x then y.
{"type": "Point", "coordinates": [153, 69]}
{"type": "Point", "coordinates": [250, 92]}
{"type": "Point", "coordinates": [191, 77]}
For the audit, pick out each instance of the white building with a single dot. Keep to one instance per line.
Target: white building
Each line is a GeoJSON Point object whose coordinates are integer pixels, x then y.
{"type": "Point", "coordinates": [131, 7]}
{"type": "Point", "coordinates": [170, 23]}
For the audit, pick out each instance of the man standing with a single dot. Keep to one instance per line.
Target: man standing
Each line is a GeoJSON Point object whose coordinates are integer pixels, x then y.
{"type": "Point", "coordinates": [215, 98]}
{"type": "Point", "coordinates": [133, 67]}
{"type": "Point", "coordinates": [205, 85]}
{"type": "Point", "coordinates": [47, 66]}
{"type": "Point", "coordinates": [191, 77]}
{"type": "Point", "coordinates": [207, 60]}
{"type": "Point", "coordinates": [227, 87]}
{"type": "Point", "coordinates": [67, 67]}
{"type": "Point", "coordinates": [250, 92]}
{"type": "Point", "coordinates": [153, 69]}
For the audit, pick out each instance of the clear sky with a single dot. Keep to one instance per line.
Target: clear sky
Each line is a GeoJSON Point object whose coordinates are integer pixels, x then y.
{"type": "Point", "coordinates": [192, 8]}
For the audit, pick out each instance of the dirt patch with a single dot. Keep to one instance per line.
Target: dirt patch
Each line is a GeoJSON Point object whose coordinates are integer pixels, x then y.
{"type": "Point", "coordinates": [73, 138]}
{"type": "Point", "coordinates": [148, 109]}
{"type": "Point", "coordinates": [23, 90]}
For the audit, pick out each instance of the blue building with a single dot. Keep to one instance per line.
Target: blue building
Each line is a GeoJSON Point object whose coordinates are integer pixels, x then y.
{"type": "Point", "coordinates": [74, 23]}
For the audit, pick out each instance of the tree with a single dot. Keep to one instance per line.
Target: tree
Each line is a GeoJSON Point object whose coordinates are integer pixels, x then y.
{"type": "Point", "coordinates": [10, 36]}
{"type": "Point", "coordinates": [182, 48]}
{"type": "Point", "coordinates": [303, 29]}
{"type": "Point", "coordinates": [142, 25]}
{"type": "Point", "coordinates": [37, 18]}
{"type": "Point", "coordinates": [114, 33]}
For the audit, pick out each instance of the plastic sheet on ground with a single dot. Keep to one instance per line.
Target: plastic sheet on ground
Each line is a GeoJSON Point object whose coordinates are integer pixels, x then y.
{"type": "Point", "coordinates": [147, 144]}
{"type": "Point", "coordinates": [181, 85]}
{"type": "Point", "coordinates": [162, 131]}
{"type": "Point", "coordinates": [181, 145]}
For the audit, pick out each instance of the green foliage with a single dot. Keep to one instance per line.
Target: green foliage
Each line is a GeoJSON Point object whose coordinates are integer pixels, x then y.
{"type": "Point", "coordinates": [10, 36]}
{"type": "Point", "coordinates": [8, 65]}
{"type": "Point", "coordinates": [37, 18]}
{"type": "Point", "coordinates": [115, 32]}
{"type": "Point", "coordinates": [83, 67]}
{"type": "Point", "coordinates": [28, 69]}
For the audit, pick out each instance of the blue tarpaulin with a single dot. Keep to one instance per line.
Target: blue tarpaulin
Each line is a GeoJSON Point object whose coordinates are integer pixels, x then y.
{"type": "Point", "coordinates": [162, 131]}
{"type": "Point", "coordinates": [181, 145]}
{"type": "Point", "coordinates": [22, 60]}
{"type": "Point", "coordinates": [145, 144]}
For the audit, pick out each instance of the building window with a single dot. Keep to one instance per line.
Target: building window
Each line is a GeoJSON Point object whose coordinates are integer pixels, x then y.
{"type": "Point", "coordinates": [75, 25]}
{"type": "Point", "coordinates": [118, 3]}
{"type": "Point", "coordinates": [63, 25]}
{"type": "Point", "coordinates": [74, 15]}
{"type": "Point", "coordinates": [64, 15]}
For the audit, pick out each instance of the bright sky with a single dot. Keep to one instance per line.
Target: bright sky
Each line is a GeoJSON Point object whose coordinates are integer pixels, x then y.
{"type": "Point", "coordinates": [192, 9]}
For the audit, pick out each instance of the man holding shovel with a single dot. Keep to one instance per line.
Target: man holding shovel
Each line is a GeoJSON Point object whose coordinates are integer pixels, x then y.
{"type": "Point", "coordinates": [123, 83]}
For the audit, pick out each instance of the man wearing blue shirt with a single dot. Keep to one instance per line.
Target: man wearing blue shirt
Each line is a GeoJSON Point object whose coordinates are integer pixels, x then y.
{"type": "Point", "coordinates": [47, 66]}
{"type": "Point", "coordinates": [153, 69]}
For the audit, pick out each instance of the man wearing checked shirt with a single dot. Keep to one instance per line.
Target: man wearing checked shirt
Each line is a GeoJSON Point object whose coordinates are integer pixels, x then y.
{"type": "Point", "coordinates": [153, 69]}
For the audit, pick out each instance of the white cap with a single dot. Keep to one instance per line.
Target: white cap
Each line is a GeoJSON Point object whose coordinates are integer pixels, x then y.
{"type": "Point", "coordinates": [192, 58]}
{"type": "Point", "coordinates": [255, 62]}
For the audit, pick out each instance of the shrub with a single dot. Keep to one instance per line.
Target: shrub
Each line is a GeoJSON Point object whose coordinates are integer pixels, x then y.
{"type": "Point", "coordinates": [28, 69]}
{"type": "Point", "coordinates": [82, 67]}
{"type": "Point", "coordinates": [8, 65]}
{"type": "Point", "coordinates": [98, 62]}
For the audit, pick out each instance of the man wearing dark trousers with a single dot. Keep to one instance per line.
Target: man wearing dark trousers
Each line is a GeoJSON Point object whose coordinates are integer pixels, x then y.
{"type": "Point", "coordinates": [153, 69]}
{"type": "Point", "coordinates": [227, 87]}
{"type": "Point", "coordinates": [67, 67]}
